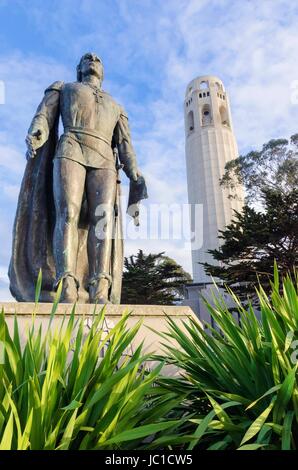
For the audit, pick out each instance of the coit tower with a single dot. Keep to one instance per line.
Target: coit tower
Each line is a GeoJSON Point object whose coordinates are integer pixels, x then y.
{"type": "Point", "coordinates": [210, 143]}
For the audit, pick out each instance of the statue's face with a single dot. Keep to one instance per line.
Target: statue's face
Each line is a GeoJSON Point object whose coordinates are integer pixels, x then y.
{"type": "Point", "coordinates": [91, 64]}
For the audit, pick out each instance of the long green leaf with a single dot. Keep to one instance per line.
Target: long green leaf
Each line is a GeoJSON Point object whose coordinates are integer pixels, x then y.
{"type": "Point", "coordinates": [257, 424]}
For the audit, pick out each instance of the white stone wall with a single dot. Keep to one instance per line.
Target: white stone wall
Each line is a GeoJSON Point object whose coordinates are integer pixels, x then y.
{"type": "Point", "coordinates": [209, 144]}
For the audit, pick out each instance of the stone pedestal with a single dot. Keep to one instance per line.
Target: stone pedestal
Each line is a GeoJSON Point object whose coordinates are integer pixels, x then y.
{"type": "Point", "coordinates": [153, 316]}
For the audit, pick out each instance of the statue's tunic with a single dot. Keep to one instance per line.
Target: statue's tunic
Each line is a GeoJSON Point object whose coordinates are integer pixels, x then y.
{"type": "Point", "coordinates": [93, 124]}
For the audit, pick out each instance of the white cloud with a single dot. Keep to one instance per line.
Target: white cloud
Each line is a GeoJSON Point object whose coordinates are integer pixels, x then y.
{"type": "Point", "coordinates": [11, 191]}
{"type": "Point", "coordinates": [11, 159]}
{"type": "Point", "coordinates": [5, 295]}
{"type": "Point", "coordinates": [3, 274]}
{"type": "Point", "coordinates": [253, 49]}
{"type": "Point", "coordinates": [6, 222]}
{"type": "Point", "coordinates": [26, 77]}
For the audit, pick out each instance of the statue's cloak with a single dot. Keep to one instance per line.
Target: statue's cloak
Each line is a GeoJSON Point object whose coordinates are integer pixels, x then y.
{"type": "Point", "coordinates": [33, 234]}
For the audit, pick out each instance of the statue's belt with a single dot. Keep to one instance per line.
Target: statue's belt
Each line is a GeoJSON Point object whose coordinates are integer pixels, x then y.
{"type": "Point", "coordinates": [70, 131]}
{"type": "Point", "coordinates": [87, 131]}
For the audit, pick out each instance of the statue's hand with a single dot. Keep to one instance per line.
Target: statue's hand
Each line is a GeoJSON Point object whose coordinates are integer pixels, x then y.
{"type": "Point", "coordinates": [135, 174]}
{"type": "Point", "coordinates": [34, 141]}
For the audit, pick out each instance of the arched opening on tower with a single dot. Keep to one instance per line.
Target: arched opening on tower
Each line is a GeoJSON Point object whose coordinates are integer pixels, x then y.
{"type": "Point", "coordinates": [224, 116]}
{"type": "Point", "coordinates": [206, 115]}
{"type": "Point", "coordinates": [190, 121]}
{"type": "Point", "coordinates": [218, 86]}
{"type": "Point", "coordinates": [204, 85]}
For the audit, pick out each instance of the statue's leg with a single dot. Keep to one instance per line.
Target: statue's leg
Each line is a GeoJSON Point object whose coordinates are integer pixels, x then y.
{"type": "Point", "coordinates": [101, 193]}
{"type": "Point", "coordinates": [69, 182]}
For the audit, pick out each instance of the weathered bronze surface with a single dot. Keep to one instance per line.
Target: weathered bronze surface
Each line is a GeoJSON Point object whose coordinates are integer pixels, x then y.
{"type": "Point", "coordinates": [68, 221]}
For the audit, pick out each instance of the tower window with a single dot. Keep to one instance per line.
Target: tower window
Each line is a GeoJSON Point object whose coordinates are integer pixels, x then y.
{"type": "Point", "coordinates": [190, 121]}
{"type": "Point", "coordinates": [208, 93]}
{"type": "Point", "coordinates": [206, 115]}
{"type": "Point", "coordinates": [204, 94]}
{"type": "Point", "coordinates": [224, 116]}
{"type": "Point", "coordinates": [204, 85]}
{"type": "Point", "coordinates": [218, 86]}
{"type": "Point", "coordinates": [200, 95]}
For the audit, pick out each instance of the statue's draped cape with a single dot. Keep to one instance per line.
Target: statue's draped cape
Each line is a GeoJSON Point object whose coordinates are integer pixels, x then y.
{"type": "Point", "coordinates": [33, 234]}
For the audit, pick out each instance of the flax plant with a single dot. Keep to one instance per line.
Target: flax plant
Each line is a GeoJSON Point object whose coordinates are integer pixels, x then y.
{"type": "Point", "coordinates": [68, 388]}
{"type": "Point", "coordinates": [240, 382]}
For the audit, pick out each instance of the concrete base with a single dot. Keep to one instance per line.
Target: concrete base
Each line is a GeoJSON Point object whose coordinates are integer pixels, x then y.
{"type": "Point", "coordinates": [153, 316]}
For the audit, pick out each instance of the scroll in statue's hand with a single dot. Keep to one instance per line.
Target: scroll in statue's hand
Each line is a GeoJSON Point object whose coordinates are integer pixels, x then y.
{"type": "Point", "coordinates": [34, 141]}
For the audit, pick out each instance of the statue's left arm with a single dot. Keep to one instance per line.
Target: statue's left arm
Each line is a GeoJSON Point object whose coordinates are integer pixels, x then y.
{"type": "Point", "coordinates": [44, 119]}
{"type": "Point", "coordinates": [127, 157]}
{"type": "Point", "coordinates": [126, 153]}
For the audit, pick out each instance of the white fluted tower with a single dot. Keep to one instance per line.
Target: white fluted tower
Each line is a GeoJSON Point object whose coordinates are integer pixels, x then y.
{"type": "Point", "coordinates": [210, 144]}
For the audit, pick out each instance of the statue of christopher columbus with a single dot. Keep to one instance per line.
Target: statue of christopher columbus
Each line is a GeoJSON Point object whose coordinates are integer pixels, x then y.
{"type": "Point", "coordinates": [68, 220]}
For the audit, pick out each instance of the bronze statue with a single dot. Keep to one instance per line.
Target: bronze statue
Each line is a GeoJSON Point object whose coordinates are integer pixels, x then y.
{"type": "Point", "coordinates": [68, 220]}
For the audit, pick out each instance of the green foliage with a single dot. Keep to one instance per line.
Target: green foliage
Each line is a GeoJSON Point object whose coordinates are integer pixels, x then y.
{"type": "Point", "coordinates": [68, 388]}
{"type": "Point", "coordinates": [273, 168]}
{"type": "Point", "coordinates": [267, 228]}
{"type": "Point", "coordinates": [152, 279]}
{"type": "Point", "coordinates": [247, 374]}
{"type": "Point", "coordinates": [254, 241]}
{"type": "Point", "coordinates": [75, 387]}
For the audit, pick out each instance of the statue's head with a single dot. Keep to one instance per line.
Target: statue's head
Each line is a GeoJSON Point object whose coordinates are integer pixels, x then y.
{"type": "Point", "coordinates": [90, 64]}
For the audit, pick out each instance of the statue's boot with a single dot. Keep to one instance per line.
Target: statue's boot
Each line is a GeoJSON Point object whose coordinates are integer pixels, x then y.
{"type": "Point", "coordinates": [99, 291]}
{"type": "Point", "coordinates": [69, 290]}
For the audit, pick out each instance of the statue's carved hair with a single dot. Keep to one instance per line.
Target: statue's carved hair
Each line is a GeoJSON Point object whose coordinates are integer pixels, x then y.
{"type": "Point", "coordinates": [79, 73]}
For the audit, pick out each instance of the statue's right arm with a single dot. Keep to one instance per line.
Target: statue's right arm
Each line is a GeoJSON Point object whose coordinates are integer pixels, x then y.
{"type": "Point", "coordinates": [44, 119]}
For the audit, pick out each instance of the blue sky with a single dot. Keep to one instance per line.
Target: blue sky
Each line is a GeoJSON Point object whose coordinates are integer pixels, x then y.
{"type": "Point", "coordinates": [151, 49]}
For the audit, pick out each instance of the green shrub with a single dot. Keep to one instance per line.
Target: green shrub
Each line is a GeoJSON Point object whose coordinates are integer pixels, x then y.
{"type": "Point", "coordinates": [58, 391]}
{"type": "Point", "coordinates": [241, 381]}
{"type": "Point", "coordinates": [68, 388]}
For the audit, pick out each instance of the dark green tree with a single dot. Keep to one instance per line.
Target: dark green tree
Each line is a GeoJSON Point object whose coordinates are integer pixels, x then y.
{"type": "Point", "coordinates": [267, 228]}
{"type": "Point", "coordinates": [152, 279]}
